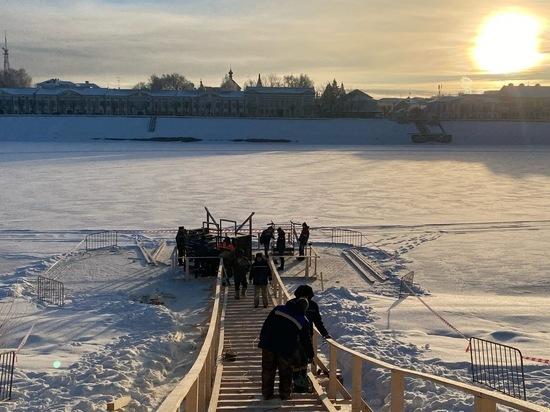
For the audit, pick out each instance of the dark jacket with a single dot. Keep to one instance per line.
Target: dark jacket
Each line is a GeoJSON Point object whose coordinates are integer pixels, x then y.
{"type": "Point", "coordinates": [266, 236]}
{"type": "Point", "coordinates": [242, 265]}
{"type": "Point", "coordinates": [314, 317]}
{"type": "Point", "coordinates": [260, 273]}
{"type": "Point", "coordinates": [181, 239]}
{"type": "Point", "coordinates": [304, 236]}
{"type": "Point", "coordinates": [285, 329]}
{"type": "Point", "coordinates": [281, 242]}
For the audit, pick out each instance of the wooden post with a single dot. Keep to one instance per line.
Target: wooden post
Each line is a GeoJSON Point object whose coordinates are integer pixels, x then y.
{"type": "Point", "coordinates": [307, 263]}
{"type": "Point", "coordinates": [333, 366]}
{"type": "Point", "coordinates": [484, 405]}
{"type": "Point", "coordinates": [397, 391]}
{"type": "Point", "coordinates": [191, 398]}
{"type": "Point", "coordinates": [187, 274]}
{"type": "Point", "coordinates": [356, 400]}
{"type": "Point", "coordinates": [315, 266]}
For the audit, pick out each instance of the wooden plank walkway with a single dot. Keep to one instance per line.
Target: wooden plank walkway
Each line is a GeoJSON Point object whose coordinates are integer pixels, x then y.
{"type": "Point", "coordinates": [240, 381]}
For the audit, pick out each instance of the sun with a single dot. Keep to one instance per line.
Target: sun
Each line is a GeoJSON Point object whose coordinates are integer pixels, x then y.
{"type": "Point", "coordinates": [508, 43]}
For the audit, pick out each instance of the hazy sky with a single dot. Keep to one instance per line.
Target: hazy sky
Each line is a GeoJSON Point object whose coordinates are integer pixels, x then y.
{"type": "Point", "coordinates": [385, 47]}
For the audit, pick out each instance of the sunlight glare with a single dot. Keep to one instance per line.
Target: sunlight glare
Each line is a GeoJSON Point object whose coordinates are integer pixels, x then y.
{"type": "Point", "coordinates": [508, 43]}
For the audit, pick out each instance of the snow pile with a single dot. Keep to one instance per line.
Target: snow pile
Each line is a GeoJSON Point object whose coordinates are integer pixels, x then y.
{"type": "Point", "coordinates": [102, 344]}
{"type": "Point", "coordinates": [349, 318]}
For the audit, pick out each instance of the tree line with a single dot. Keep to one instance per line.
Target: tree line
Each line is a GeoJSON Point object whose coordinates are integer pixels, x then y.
{"type": "Point", "coordinates": [15, 78]}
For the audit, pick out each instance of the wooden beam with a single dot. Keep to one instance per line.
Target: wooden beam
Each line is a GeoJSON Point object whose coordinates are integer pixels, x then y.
{"type": "Point", "coordinates": [356, 401]}
{"type": "Point", "coordinates": [397, 391]}
{"type": "Point", "coordinates": [118, 403]}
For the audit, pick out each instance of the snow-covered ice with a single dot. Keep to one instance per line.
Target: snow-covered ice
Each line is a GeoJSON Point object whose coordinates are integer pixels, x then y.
{"type": "Point", "coordinates": [473, 223]}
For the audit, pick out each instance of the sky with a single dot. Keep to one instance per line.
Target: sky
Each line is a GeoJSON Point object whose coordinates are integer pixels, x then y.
{"type": "Point", "coordinates": [384, 47]}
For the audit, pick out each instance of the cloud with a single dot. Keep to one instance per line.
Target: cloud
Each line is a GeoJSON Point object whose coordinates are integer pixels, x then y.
{"type": "Point", "coordinates": [371, 45]}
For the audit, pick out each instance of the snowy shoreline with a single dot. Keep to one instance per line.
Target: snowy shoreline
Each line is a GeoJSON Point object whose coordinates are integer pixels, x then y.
{"type": "Point", "coordinates": [212, 130]}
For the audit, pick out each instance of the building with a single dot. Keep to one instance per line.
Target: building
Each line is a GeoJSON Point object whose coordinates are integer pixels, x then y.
{"type": "Point", "coordinates": [263, 101]}
{"type": "Point", "coordinates": [357, 104]}
{"type": "Point", "coordinates": [509, 103]}
{"type": "Point", "coordinates": [59, 97]}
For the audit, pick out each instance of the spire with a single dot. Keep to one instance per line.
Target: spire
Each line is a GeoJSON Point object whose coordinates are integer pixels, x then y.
{"type": "Point", "coordinates": [230, 73]}
{"type": "Point", "coordinates": [6, 53]}
{"type": "Point", "coordinates": [259, 83]}
{"type": "Point", "coordinates": [201, 86]}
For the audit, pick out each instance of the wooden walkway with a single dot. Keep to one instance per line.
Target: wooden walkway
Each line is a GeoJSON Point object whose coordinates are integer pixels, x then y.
{"type": "Point", "coordinates": [239, 382]}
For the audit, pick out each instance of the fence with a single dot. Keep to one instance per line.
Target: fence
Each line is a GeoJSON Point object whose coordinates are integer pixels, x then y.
{"type": "Point", "coordinates": [7, 362]}
{"type": "Point", "coordinates": [346, 236]}
{"type": "Point", "coordinates": [194, 391]}
{"type": "Point", "coordinates": [100, 240]}
{"type": "Point", "coordinates": [406, 284]}
{"type": "Point", "coordinates": [485, 400]}
{"type": "Point", "coordinates": [51, 291]}
{"type": "Point", "coordinates": [498, 366]}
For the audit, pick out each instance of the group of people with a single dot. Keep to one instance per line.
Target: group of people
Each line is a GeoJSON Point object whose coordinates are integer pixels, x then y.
{"type": "Point", "coordinates": [286, 343]}
{"type": "Point", "coordinates": [280, 246]}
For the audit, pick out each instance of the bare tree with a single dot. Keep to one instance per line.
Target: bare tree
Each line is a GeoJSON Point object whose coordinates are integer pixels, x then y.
{"type": "Point", "coordinates": [172, 81]}
{"type": "Point", "coordinates": [303, 80]}
{"type": "Point", "coordinates": [15, 78]}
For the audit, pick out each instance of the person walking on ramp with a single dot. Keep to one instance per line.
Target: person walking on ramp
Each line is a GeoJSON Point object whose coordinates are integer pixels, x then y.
{"type": "Point", "coordinates": [284, 333]}
{"type": "Point", "coordinates": [260, 277]}
{"type": "Point", "coordinates": [240, 270]}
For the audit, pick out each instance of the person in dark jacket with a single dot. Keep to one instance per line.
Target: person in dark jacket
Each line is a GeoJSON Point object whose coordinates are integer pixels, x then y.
{"type": "Point", "coordinates": [241, 268]}
{"type": "Point", "coordinates": [281, 247]}
{"type": "Point", "coordinates": [313, 314]}
{"type": "Point", "coordinates": [303, 239]}
{"type": "Point", "coordinates": [265, 239]}
{"type": "Point", "coordinates": [284, 332]}
{"type": "Point", "coordinates": [260, 277]}
{"type": "Point", "coordinates": [181, 243]}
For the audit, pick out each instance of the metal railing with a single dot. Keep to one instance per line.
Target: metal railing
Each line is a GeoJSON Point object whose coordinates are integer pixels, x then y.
{"type": "Point", "coordinates": [346, 236]}
{"type": "Point", "coordinates": [498, 366]}
{"type": "Point", "coordinates": [193, 392]}
{"type": "Point", "coordinates": [7, 364]}
{"type": "Point", "coordinates": [101, 240]}
{"type": "Point", "coordinates": [485, 400]}
{"type": "Point", "coordinates": [51, 291]}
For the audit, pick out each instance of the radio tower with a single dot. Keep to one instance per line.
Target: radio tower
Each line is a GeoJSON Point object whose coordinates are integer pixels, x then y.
{"type": "Point", "coordinates": [6, 54]}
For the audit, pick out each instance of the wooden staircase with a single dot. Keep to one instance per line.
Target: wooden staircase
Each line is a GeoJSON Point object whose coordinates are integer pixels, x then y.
{"type": "Point", "coordinates": [238, 384]}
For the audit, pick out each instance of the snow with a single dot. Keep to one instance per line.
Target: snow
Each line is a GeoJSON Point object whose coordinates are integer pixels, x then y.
{"type": "Point", "coordinates": [103, 343]}
{"type": "Point", "coordinates": [472, 222]}
{"type": "Point", "coordinates": [299, 131]}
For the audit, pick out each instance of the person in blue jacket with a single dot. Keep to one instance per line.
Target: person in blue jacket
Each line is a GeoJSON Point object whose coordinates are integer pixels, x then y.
{"type": "Point", "coordinates": [285, 333]}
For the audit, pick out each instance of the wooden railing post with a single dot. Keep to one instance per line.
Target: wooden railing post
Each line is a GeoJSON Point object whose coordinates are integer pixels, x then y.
{"type": "Point", "coordinates": [397, 391]}
{"type": "Point", "coordinates": [191, 404]}
{"type": "Point", "coordinates": [332, 368]}
{"type": "Point", "coordinates": [356, 399]}
{"type": "Point", "coordinates": [484, 405]}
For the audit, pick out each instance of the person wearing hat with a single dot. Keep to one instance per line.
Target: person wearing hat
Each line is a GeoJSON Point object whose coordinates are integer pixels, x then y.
{"type": "Point", "coordinates": [284, 334]}
{"type": "Point", "coordinates": [260, 277]}
{"type": "Point", "coordinates": [241, 267]}
{"type": "Point", "coordinates": [181, 243]}
{"type": "Point", "coordinates": [313, 314]}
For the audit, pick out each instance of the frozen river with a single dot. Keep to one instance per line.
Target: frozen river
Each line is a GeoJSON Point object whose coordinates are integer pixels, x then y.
{"type": "Point", "coordinates": [486, 210]}
{"type": "Point", "coordinates": [473, 223]}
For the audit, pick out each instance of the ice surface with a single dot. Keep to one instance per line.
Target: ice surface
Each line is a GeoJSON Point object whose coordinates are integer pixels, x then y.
{"type": "Point", "coordinates": [473, 223]}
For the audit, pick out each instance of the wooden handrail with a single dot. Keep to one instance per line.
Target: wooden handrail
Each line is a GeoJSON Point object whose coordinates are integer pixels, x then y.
{"type": "Point", "coordinates": [195, 389]}
{"type": "Point", "coordinates": [485, 400]}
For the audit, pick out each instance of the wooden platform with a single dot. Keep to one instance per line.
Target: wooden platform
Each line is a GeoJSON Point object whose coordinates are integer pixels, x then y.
{"type": "Point", "coordinates": [240, 381]}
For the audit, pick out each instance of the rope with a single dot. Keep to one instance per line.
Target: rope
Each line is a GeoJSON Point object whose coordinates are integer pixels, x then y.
{"type": "Point", "coordinates": [539, 360]}
{"type": "Point", "coordinates": [434, 312]}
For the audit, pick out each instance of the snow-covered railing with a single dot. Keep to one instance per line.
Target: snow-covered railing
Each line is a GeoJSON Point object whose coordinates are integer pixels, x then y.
{"type": "Point", "coordinates": [485, 400]}
{"type": "Point", "coordinates": [194, 391]}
